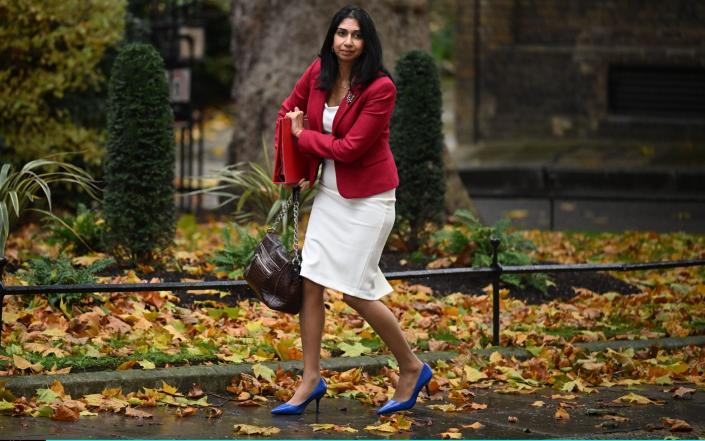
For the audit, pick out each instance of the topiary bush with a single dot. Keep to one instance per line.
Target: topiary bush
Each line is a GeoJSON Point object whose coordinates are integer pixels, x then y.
{"type": "Point", "coordinates": [417, 143]}
{"type": "Point", "coordinates": [139, 166]}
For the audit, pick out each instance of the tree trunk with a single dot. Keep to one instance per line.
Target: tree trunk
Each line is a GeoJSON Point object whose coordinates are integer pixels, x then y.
{"type": "Point", "coordinates": [274, 41]}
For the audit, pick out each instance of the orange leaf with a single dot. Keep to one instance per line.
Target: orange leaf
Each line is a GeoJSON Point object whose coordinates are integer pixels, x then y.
{"type": "Point", "coordinates": [127, 365]}
{"type": "Point", "coordinates": [677, 425]}
{"type": "Point", "coordinates": [562, 414]}
{"type": "Point", "coordinates": [65, 413]}
{"type": "Point", "coordinates": [196, 391]}
{"type": "Point", "coordinates": [186, 412]}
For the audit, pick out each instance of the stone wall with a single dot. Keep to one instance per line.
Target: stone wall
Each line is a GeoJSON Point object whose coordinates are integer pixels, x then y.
{"type": "Point", "coordinates": [543, 66]}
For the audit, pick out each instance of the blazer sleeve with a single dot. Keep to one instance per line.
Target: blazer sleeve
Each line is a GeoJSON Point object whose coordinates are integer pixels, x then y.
{"type": "Point", "coordinates": [297, 98]}
{"type": "Point", "coordinates": [372, 120]}
{"type": "Point", "coordinates": [299, 95]}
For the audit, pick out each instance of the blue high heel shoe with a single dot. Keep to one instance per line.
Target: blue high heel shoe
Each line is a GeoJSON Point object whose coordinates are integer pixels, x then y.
{"type": "Point", "coordinates": [394, 406]}
{"type": "Point", "coordinates": [289, 409]}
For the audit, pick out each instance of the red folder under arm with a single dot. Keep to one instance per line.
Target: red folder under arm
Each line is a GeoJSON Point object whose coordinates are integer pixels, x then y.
{"type": "Point", "coordinates": [290, 165]}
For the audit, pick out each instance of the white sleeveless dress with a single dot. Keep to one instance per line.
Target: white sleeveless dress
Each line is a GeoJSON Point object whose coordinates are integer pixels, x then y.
{"type": "Point", "coordinates": [345, 237]}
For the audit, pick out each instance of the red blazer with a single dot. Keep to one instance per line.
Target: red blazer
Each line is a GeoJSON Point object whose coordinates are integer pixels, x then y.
{"type": "Point", "coordinates": [359, 143]}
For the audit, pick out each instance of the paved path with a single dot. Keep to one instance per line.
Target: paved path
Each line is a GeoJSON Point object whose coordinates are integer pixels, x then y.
{"type": "Point", "coordinates": [532, 422]}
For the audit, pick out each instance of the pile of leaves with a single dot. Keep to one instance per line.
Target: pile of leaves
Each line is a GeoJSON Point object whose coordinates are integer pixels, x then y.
{"type": "Point", "coordinates": [123, 330]}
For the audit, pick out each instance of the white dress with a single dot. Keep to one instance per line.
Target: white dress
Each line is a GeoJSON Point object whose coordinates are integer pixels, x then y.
{"type": "Point", "coordinates": [345, 237]}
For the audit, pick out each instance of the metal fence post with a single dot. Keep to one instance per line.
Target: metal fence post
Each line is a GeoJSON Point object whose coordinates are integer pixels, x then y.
{"type": "Point", "coordinates": [497, 272]}
{"type": "Point", "coordinates": [3, 262]}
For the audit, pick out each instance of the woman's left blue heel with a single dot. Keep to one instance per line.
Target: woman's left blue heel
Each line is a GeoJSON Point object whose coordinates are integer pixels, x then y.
{"type": "Point", "coordinates": [393, 405]}
{"type": "Point", "coordinates": [290, 409]}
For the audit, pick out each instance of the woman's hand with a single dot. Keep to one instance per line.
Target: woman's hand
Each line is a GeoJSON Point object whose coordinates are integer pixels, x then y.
{"type": "Point", "coordinates": [297, 121]}
{"type": "Point", "coordinates": [303, 184]}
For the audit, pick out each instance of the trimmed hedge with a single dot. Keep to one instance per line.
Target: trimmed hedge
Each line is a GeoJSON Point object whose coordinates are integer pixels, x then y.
{"type": "Point", "coordinates": [417, 142]}
{"type": "Point", "coordinates": [139, 167]}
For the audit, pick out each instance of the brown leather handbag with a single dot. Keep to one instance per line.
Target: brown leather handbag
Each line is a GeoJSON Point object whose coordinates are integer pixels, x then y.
{"type": "Point", "coordinates": [273, 274]}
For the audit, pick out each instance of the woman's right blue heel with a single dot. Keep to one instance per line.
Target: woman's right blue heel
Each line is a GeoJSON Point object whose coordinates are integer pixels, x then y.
{"type": "Point", "coordinates": [423, 380]}
{"type": "Point", "coordinates": [290, 409]}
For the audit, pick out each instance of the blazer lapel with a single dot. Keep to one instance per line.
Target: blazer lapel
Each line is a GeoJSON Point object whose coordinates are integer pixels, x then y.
{"type": "Point", "coordinates": [348, 101]}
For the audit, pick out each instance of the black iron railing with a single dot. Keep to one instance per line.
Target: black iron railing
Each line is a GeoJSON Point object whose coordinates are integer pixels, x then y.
{"type": "Point", "coordinates": [494, 272]}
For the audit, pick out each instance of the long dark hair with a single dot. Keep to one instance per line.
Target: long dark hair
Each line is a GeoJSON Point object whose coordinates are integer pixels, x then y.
{"type": "Point", "coordinates": [368, 66]}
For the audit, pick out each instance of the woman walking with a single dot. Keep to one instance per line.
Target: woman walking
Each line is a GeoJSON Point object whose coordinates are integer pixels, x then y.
{"type": "Point", "coordinates": [348, 97]}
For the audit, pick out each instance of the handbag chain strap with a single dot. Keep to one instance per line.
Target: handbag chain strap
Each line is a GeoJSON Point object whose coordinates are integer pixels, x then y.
{"type": "Point", "coordinates": [294, 200]}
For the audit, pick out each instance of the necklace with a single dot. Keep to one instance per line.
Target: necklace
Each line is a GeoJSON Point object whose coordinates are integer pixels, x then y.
{"type": "Point", "coordinates": [345, 85]}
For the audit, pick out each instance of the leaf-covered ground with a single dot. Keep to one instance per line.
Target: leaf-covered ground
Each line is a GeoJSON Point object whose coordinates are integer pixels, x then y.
{"type": "Point", "coordinates": [143, 331]}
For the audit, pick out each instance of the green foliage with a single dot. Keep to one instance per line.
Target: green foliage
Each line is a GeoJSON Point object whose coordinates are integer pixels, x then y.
{"type": "Point", "coordinates": [139, 167]}
{"type": "Point", "coordinates": [79, 234]}
{"type": "Point", "coordinates": [234, 258]}
{"type": "Point", "coordinates": [417, 143]}
{"type": "Point", "coordinates": [45, 271]}
{"type": "Point", "coordinates": [21, 189]}
{"type": "Point", "coordinates": [468, 237]}
{"type": "Point", "coordinates": [51, 50]}
{"type": "Point", "coordinates": [249, 185]}
{"type": "Point", "coordinates": [442, 42]}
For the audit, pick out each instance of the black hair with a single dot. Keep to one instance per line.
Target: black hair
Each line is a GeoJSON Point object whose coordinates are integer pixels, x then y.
{"type": "Point", "coordinates": [368, 66]}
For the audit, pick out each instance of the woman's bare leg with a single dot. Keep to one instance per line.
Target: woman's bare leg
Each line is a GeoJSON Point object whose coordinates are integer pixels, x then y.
{"type": "Point", "coordinates": [311, 319]}
{"type": "Point", "coordinates": [386, 325]}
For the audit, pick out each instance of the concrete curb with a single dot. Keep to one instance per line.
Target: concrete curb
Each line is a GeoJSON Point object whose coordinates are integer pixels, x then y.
{"type": "Point", "coordinates": [216, 378]}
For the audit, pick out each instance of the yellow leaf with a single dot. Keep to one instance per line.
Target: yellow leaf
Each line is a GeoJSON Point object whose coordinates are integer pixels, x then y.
{"type": "Point", "coordinates": [88, 260]}
{"type": "Point", "coordinates": [476, 425]}
{"type": "Point", "coordinates": [443, 407]}
{"type": "Point", "coordinates": [633, 398]}
{"type": "Point", "coordinates": [496, 357]}
{"type": "Point", "coordinates": [248, 429]}
{"type": "Point", "coordinates": [22, 363]}
{"type": "Point", "coordinates": [538, 403]}
{"type": "Point", "coordinates": [169, 389]}
{"type": "Point", "coordinates": [472, 375]}
{"type": "Point", "coordinates": [576, 384]}
{"type": "Point", "coordinates": [451, 434]}
{"type": "Point", "coordinates": [146, 364]}
{"type": "Point", "coordinates": [385, 427]}
{"type": "Point", "coordinates": [333, 427]}
{"type": "Point", "coordinates": [136, 413]}
{"type": "Point", "coordinates": [263, 372]}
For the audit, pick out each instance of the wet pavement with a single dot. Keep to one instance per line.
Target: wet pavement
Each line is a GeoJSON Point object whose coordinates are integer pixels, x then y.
{"type": "Point", "coordinates": [587, 420]}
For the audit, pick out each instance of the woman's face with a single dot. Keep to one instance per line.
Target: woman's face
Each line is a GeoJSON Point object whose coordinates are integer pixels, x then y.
{"type": "Point", "coordinates": [347, 42]}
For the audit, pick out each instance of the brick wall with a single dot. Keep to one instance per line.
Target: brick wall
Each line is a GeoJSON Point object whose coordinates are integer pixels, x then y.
{"type": "Point", "coordinates": [543, 65]}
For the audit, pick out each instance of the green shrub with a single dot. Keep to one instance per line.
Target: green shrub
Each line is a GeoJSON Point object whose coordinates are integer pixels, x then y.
{"type": "Point", "coordinates": [234, 257]}
{"type": "Point", "coordinates": [78, 234]}
{"type": "Point", "coordinates": [417, 142]}
{"type": "Point", "coordinates": [20, 190]}
{"type": "Point", "coordinates": [51, 53]}
{"type": "Point", "coordinates": [139, 167]}
{"type": "Point", "coordinates": [469, 240]}
{"type": "Point", "coordinates": [45, 271]}
{"type": "Point", "coordinates": [249, 185]}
